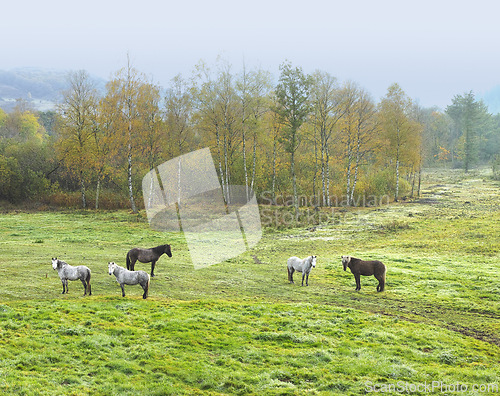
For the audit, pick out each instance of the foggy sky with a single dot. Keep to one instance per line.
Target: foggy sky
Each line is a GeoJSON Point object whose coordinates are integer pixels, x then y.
{"type": "Point", "coordinates": [433, 49]}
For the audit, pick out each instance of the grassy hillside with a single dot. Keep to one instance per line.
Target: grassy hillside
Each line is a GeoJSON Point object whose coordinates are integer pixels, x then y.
{"type": "Point", "coordinates": [239, 327]}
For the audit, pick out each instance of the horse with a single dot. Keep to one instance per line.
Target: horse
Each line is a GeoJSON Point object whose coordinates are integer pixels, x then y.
{"type": "Point", "coordinates": [301, 265]}
{"type": "Point", "coordinates": [367, 268]}
{"type": "Point", "coordinates": [67, 272]}
{"type": "Point", "coordinates": [126, 277]}
{"type": "Point", "coordinates": [150, 255]}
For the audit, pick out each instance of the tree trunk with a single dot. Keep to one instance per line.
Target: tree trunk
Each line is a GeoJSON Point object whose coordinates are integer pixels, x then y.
{"type": "Point", "coordinates": [349, 161]}
{"type": "Point", "coordinates": [315, 167]}
{"type": "Point", "coordinates": [98, 190]}
{"type": "Point", "coordinates": [82, 187]}
{"type": "Point", "coordinates": [323, 170]}
{"type": "Point", "coordinates": [419, 178]}
{"type": "Point", "coordinates": [245, 155]}
{"type": "Point", "coordinates": [130, 186]}
{"type": "Point", "coordinates": [274, 170]}
{"type": "Point", "coordinates": [254, 160]}
{"type": "Point", "coordinates": [217, 136]}
{"type": "Point", "coordinates": [328, 200]}
{"type": "Point", "coordinates": [397, 180]}
{"type": "Point", "coordinates": [356, 166]}
{"type": "Point", "coordinates": [294, 183]}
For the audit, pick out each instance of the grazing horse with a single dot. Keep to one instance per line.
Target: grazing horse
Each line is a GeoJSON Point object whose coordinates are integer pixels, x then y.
{"type": "Point", "coordinates": [67, 272]}
{"type": "Point", "coordinates": [150, 255]}
{"type": "Point", "coordinates": [126, 277]}
{"type": "Point", "coordinates": [359, 267]}
{"type": "Point", "coordinates": [301, 265]}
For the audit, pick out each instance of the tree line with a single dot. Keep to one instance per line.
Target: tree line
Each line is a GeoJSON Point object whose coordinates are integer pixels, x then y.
{"type": "Point", "coordinates": [305, 139]}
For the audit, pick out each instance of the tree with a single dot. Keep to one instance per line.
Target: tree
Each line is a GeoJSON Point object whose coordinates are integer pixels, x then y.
{"type": "Point", "coordinates": [252, 88]}
{"type": "Point", "coordinates": [178, 117]}
{"type": "Point", "coordinates": [358, 126]}
{"type": "Point", "coordinates": [76, 111]}
{"type": "Point", "coordinates": [123, 98]}
{"type": "Point", "coordinates": [218, 116]}
{"type": "Point", "coordinates": [469, 115]}
{"type": "Point", "coordinates": [399, 128]}
{"type": "Point", "coordinates": [327, 105]}
{"type": "Point", "coordinates": [293, 107]}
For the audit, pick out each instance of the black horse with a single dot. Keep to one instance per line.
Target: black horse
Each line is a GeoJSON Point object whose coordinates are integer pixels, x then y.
{"type": "Point", "coordinates": [150, 255]}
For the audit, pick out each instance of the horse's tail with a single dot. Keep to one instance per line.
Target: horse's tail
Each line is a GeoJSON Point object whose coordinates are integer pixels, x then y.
{"type": "Point", "coordinates": [382, 280]}
{"type": "Point", "coordinates": [128, 260]}
{"type": "Point", "coordinates": [89, 289]}
{"type": "Point", "coordinates": [146, 290]}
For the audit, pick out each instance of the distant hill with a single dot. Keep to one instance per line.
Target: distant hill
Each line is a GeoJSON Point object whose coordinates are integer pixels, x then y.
{"type": "Point", "coordinates": [41, 88]}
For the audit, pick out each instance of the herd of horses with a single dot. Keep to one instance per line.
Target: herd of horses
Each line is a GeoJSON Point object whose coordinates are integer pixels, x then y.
{"type": "Point", "coordinates": [123, 276]}
{"type": "Point", "coordinates": [128, 276]}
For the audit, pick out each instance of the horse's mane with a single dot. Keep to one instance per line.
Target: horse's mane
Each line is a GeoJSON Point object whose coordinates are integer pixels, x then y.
{"type": "Point", "coordinates": [60, 263]}
{"type": "Point", "coordinates": [159, 249]}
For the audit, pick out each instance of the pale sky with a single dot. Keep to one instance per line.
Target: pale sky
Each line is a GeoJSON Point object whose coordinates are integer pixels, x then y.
{"type": "Point", "coordinates": [434, 49]}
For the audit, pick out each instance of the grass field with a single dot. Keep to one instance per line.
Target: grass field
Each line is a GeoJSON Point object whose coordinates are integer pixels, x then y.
{"type": "Point", "coordinates": [238, 327]}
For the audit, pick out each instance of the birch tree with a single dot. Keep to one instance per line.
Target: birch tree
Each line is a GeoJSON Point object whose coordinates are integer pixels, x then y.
{"type": "Point", "coordinates": [252, 88]}
{"type": "Point", "coordinates": [326, 99]}
{"type": "Point", "coordinates": [218, 115]}
{"type": "Point", "coordinates": [123, 97]}
{"type": "Point", "coordinates": [358, 127]}
{"type": "Point", "coordinates": [398, 128]}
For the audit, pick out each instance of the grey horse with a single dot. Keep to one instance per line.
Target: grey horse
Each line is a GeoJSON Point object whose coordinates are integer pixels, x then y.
{"type": "Point", "coordinates": [126, 277]}
{"type": "Point", "coordinates": [67, 272]}
{"type": "Point", "coordinates": [301, 265]}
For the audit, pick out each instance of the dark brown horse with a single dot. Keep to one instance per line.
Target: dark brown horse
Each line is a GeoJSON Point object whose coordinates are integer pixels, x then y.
{"type": "Point", "coordinates": [150, 255]}
{"type": "Point", "coordinates": [367, 268]}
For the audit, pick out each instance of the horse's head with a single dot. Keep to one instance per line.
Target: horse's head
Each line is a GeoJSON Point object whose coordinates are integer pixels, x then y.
{"type": "Point", "coordinates": [345, 261]}
{"type": "Point", "coordinates": [111, 267]}
{"type": "Point", "coordinates": [168, 250]}
{"type": "Point", "coordinates": [54, 263]}
{"type": "Point", "coordinates": [313, 261]}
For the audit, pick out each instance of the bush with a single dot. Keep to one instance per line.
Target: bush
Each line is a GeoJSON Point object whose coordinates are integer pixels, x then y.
{"type": "Point", "coordinates": [495, 165]}
{"type": "Point", "coordinates": [379, 188]}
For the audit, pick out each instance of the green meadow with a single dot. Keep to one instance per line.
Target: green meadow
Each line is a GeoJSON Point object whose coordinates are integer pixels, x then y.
{"type": "Point", "coordinates": [239, 327]}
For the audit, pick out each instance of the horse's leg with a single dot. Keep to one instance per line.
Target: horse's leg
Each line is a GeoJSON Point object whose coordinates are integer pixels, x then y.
{"type": "Point", "coordinates": [123, 289]}
{"type": "Point", "coordinates": [84, 287]}
{"type": "Point", "coordinates": [64, 286]}
{"type": "Point", "coordinates": [145, 288]}
{"type": "Point", "coordinates": [381, 283]}
{"type": "Point", "coordinates": [358, 282]}
{"type": "Point", "coordinates": [153, 263]}
{"type": "Point", "coordinates": [303, 275]}
{"type": "Point", "coordinates": [292, 270]}
{"type": "Point", "coordinates": [88, 285]}
{"type": "Point", "coordinates": [307, 279]}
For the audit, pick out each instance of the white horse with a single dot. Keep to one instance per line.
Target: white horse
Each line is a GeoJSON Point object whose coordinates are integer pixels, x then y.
{"type": "Point", "coordinates": [67, 272]}
{"type": "Point", "coordinates": [126, 277]}
{"type": "Point", "coordinates": [301, 265]}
